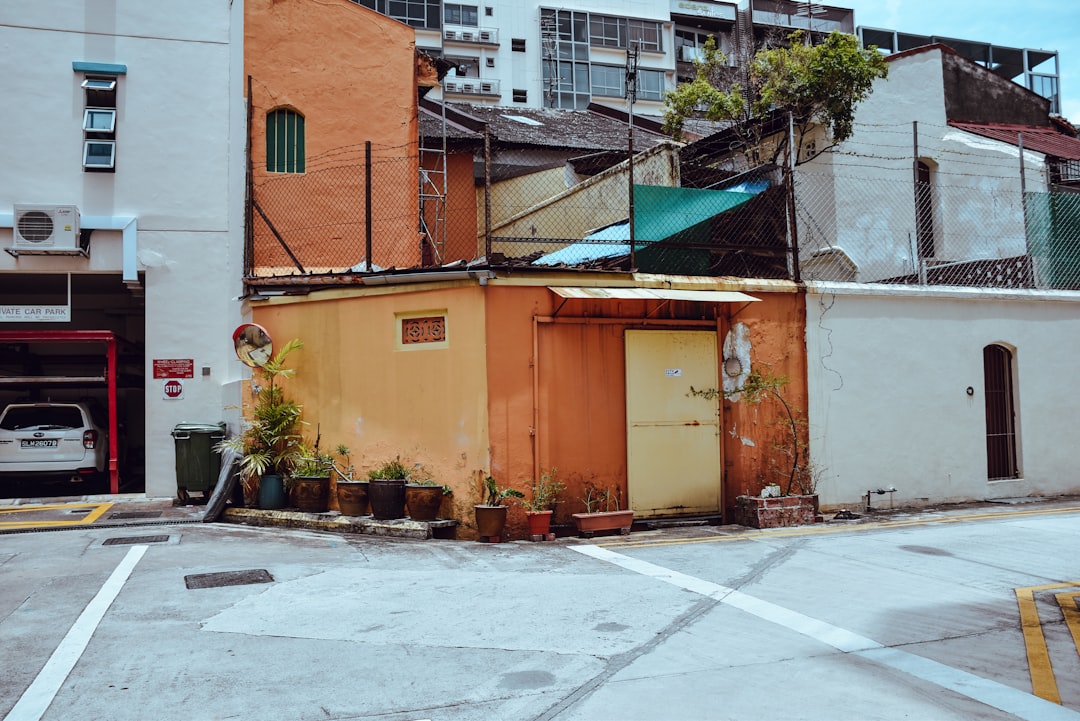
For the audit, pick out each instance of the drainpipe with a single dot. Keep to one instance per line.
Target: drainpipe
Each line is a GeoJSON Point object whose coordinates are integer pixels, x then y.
{"type": "Point", "coordinates": [128, 225]}
{"type": "Point", "coordinates": [535, 430]}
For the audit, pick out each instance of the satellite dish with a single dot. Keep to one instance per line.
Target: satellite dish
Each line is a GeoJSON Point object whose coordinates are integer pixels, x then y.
{"type": "Point", "coordinates": [253, 344]}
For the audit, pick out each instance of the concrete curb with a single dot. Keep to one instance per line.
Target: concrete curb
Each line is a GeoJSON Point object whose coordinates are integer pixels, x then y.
{"type": "Point", "coordinates": [396, 528]}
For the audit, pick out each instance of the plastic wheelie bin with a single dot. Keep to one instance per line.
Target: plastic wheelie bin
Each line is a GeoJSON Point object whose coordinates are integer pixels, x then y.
{"type": "Point", "coordinates": [198, 464]}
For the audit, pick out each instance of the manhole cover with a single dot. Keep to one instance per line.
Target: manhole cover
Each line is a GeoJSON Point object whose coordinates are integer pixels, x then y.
{"type": "Point", "coordinates": [125, 540]}
{"type": "Point", "coordinates": [228, 578]}
{"type": "Point", "coordinates": [136, 514]}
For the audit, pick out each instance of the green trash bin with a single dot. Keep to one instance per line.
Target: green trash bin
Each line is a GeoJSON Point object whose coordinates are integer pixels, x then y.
{"type": "Point", "coordinates": [197, 462]}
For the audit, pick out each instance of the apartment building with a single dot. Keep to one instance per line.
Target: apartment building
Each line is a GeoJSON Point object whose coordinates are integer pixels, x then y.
{"type": "Point", "coordinates": [527, 54]}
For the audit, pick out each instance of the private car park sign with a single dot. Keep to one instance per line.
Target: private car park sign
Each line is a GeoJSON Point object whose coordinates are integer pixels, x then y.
{"type": "Point", "coordinates": [172, 372]}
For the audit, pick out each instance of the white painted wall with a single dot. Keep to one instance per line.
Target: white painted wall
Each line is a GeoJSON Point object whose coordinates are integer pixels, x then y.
{"type": "Point", "coordinates": [179, 171]}
{"type": "Point", "coordinates": [861, 199]}
{"type": "Point", "coordinates": [888, 406]}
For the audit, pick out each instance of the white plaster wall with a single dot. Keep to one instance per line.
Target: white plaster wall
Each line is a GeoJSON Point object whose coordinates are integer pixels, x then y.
{"type": "Point", "coordinates": [862, 195]}
{"type": "Point", "coordinates": [179, 171]}
{"type": "Point", "coordinates": [887, 377]}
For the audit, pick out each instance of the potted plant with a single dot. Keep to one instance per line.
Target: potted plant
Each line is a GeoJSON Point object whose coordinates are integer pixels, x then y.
{"type": "Point", "coordinates": [310, 479]}
{"type": "Point", "coordinates": [491, 514]}
{"type": "Point", "coordinates": [540, 504]}
{"type": "Point", "coordinates": [424, 497]}
{"type": "Point", "coordinates": [386, 490]}
{"type": "Point", "coordinates": [796, 502]}
{"type": "Point", "coordinates": [352, 493]}
{"type": "Point", "coordinates": [269, 445]}
{"type": "Point", "coordinates": [603, 512]}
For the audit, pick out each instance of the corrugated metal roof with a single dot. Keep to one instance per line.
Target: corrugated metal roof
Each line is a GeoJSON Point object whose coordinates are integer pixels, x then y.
{"type": "Point", "coordinates": [551, 127]}
{"type": "Point", "coordinates": [712, 296]}
{"type": "Point", "coordinates": [1041, 139]}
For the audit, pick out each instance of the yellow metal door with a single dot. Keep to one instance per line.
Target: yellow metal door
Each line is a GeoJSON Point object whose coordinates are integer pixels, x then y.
{"type": "Point", "coordinates": [673, 439]}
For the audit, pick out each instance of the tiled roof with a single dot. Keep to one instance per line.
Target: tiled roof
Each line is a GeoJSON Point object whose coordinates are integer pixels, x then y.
{"type": "Point", "coordinates": [1041, 139]}
{"type": "Point", "coordinates": [578, 130]}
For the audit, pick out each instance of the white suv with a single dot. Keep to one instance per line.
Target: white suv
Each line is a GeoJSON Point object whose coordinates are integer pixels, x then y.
{"type": "Point", "coordinates": [57, 440]}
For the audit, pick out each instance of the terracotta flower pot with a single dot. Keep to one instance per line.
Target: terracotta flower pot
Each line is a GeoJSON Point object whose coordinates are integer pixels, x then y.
{"type": "Point", "coordinates": [590, 523]}
{"type": "Point", "coordinates": [423, 502]}
{"type": "Point", "coordinates": [352, 497]}
{"type": "Point", "coordinates": [490, 520]}
{"type": "Point", "coordinates": [539, 522]}
{"type": "Point", "coordinates": [311, 493]}
{"type": "Point", "coordinates": [387, 498]}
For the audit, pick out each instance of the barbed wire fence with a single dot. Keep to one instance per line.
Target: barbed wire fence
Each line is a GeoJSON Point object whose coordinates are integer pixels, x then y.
{"type": "Point", "coordinates": [868, 219]}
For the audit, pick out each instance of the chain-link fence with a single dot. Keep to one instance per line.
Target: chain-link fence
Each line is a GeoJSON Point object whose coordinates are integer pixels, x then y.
{"type": "Point", "coordinates": [985, 234]}
{"type": "Point", "coordinates": [545, 211]}
{"type": "Point", "coordinates": [317, 221]}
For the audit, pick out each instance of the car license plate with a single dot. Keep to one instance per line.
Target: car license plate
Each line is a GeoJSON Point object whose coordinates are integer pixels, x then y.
{"type": "Point", "coordinates": [38, 443]}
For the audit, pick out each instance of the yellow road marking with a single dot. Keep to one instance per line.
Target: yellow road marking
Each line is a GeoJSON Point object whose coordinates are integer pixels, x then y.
{"type": "Point", "coordinates": [1067, 601]}
{"type": "Point", "coordinates": [1043, 683]}
{"type": "Point", "coordinates": [97, 510]}
{"type": "Point", "coordinates": [795, 531]}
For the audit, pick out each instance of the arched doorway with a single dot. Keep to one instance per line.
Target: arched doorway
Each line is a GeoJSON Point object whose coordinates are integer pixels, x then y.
{"type": "Point", "coordinates": [1000, 413]}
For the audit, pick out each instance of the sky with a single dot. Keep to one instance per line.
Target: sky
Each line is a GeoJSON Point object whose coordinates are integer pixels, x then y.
{"type": "Point", "coordinates": [1037, 24]}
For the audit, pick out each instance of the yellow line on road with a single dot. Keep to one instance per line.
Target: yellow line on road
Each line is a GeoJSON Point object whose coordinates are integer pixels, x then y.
{"type": "Point", "coordinates": [818, 530]}
{"type": "Point", "coordinates": [1067, 601]}
{"type": "Point", "coordinates": [1043, 683]}
{"type": "Point", "coordinates": [97, 510]}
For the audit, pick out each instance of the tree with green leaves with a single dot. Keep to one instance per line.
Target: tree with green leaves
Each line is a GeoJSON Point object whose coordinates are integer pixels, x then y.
{"type": "Point", "coordinates": [818, 85]}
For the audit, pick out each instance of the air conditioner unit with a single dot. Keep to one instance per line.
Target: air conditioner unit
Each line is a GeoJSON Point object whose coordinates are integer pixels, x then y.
{"type": "Point", "coordinates": [487, 87]}
{"type": "Point", "coordinates": [467, 37]}
{"type": "Point", "coordinates": [487, 36]}
{"type": "Point", "coordinates": [451, 35]}
{"type": "Point", "coordinates": [469, 88]}
{"type": "Point", "coordinates": [46, 228]}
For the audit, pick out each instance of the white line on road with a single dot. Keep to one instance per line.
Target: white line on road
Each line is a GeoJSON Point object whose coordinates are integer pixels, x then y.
{"type": "Point", "coordinates": [1008, 699]}
{"type": "Point", "coordinates": [40, 694]}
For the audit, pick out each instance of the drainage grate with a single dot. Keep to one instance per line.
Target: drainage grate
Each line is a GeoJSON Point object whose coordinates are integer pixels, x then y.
{"type": "Point", "coordinates": [136, 514]}
{"type": "Point", "coordinates": [79, 511]}
{"type": "Point", "coordinates": [125, 540]}
{"type": "Point", "coordinates": [228, 578]}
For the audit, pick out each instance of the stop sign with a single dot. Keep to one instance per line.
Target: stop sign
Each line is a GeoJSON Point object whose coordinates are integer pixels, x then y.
{"type": "Point", "coordinates": [173, 388]}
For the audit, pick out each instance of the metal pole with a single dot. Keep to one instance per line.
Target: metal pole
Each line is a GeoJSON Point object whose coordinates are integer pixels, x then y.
{"type": "Point", "coordinates": [487, 196]}
{"type": "Point", "coordinates": [631, 92]}
{"type": "Point", "coordinates": [915, 187]}
{"type": "Point", "coordinates": [1023, 202]}
{"type": "Point", "coordinates": [796, 272]}
{"type": "Point", "coordinates": [367, 202]}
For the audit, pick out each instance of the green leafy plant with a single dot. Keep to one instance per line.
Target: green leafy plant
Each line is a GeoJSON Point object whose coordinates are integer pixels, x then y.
{"type": "Point", "coordinates": [600, 499]}
{"type": "Point", "coordinates": [392, 469]}
{"type": "Point", "coordinates": [759, 384]}
{"type": "Point", "coordinates": [344, 469]}
{"type": "Point", "coordinates": [270, 441]}
{"type": "Point", "coordinates": [543, 493]}
{"type": "Point", "coordinates": [312, 463]}
{"type": "Point", "coordinates": [817, 84]}
{"type": "Point", "coordinates": [494, 495]}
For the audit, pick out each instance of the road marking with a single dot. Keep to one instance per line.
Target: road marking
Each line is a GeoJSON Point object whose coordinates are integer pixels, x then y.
{"type": "Point", "coordinates": [818, 530]}
{"type": "Point", "coordinates": [40, 694]}
{"type": "Point", "coordinates": [991, 693]}
{"type": "Point", "coordinates": [1043, 683]}
{"type": "Point", "coordinates": [97, 510]}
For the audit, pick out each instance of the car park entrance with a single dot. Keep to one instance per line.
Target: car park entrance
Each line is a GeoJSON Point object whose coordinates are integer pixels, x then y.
{"type": "Point", "coordinates": [25, 449]}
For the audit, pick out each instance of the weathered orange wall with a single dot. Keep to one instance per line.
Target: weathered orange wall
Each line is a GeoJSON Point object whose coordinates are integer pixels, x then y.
{"type": "Point", "coordinates": [468, 409]}
{"type": "Point", "coordinates": [777, 326]}
{"type": "Point", "coordinates": [351, 73]}
{"type": "Point", "coordinates": [581, 393]}
{"type": "Point", "coordinates": [427, 405]}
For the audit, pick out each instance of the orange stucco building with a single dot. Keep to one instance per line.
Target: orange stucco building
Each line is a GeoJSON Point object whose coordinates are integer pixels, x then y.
{"type": "Point", "coordinates": [325, 79]}
{"type": "Point", "coordinates": [516, 379]}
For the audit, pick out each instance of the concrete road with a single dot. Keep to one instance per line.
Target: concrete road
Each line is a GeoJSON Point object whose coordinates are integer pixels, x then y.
{"type": "Point", "coordinates": [945, 616]}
